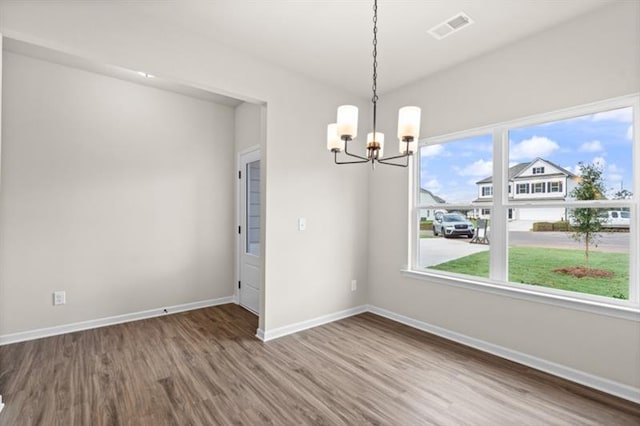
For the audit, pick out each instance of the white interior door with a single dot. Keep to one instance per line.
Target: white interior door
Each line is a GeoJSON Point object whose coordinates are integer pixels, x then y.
{"type": "Point", "coordinates": [249, 215]}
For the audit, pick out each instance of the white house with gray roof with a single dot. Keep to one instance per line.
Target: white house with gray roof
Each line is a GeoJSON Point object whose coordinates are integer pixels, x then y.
{"type": "Point", "coordinates": [428, 197]}
{"type": "Point", "coordinates": [538, 180]}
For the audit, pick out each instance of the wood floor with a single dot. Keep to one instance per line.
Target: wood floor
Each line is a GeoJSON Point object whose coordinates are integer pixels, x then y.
{"type": "Point", "coordinates": [205, 367]}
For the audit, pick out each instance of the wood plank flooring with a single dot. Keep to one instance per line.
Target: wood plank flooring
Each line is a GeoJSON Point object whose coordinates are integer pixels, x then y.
{"type": "Point", "coordinates": [205, 367]}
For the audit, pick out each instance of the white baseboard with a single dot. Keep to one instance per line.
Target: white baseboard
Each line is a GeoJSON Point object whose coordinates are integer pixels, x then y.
{"type": "Point", "coordinates": [605, 385]}
{"type": "Point", "coordinates": [304, 325]}
{"type": "Point", "coordinates": [102, 322]}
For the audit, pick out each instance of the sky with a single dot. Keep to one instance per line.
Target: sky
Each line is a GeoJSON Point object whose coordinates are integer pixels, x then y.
{"type": "Point", "coordinates": [451, 170]}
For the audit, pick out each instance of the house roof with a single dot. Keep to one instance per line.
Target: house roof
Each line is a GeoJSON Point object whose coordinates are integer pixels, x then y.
{"type": "Point", "coordinates": [516, 170]}
{"type": "Point", "coordinates": [435, 197]}
{"type": "Point", "coordinates": [513, 171]}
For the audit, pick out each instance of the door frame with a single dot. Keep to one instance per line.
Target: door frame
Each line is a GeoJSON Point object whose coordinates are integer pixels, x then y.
{"type": "Point", "coordinates": [238, 251]}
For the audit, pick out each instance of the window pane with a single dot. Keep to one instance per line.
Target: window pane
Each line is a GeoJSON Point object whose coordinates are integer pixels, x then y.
{"type": "Point", "coordinates": [548, 161]}
{"type": "Point", "coordinates": [253, 208]}
{"type": "Point", "coordinates": [457, 172]}
{"type": "Point", "coordinates": [449, 241]}
{"type": "Point", "coordinates": [552, 252]}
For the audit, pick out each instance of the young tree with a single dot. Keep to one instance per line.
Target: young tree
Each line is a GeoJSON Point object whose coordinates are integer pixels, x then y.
{"type": "Point", "coordinates": [587, 222]}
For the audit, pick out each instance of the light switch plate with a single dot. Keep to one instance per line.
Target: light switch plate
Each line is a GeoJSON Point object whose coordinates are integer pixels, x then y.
{"type": "Point", "coordinates": [302, 224]}
{"type": "Point", "coordinates": [59, 297]}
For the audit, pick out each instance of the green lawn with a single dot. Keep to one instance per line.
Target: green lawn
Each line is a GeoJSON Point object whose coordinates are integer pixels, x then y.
{"type": "Point", "coordinates": [531, 265]}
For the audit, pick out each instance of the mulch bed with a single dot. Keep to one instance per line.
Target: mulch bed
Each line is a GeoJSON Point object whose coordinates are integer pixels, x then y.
{"type": "Point", "coordinates": [581, 272]}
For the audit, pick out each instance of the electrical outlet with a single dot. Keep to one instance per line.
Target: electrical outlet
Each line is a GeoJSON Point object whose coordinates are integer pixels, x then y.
{"type": "Point", "coordinates": [59, 297]}
{"type": "Point", "coordinates": [354, 285]}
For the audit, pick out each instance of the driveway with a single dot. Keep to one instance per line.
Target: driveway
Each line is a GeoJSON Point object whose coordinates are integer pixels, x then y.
{"type": "Point", "coordinates": [434, 251]}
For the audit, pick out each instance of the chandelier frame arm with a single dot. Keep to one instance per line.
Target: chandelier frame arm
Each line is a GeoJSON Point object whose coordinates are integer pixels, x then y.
{"type": "Point", "coordinates": [346, 150]}
{"type": "Point", "coordinates": [389, 163]}
{"type": "Point", "coordinates": [362, 159]}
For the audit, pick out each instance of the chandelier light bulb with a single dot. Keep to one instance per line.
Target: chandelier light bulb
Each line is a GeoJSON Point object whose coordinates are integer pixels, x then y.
{"type": "Point", "coordinates": [375, 143]}
{"type": "Point", "coordinates": [347, 121]}
{"type": "Point", "coordinates": [334, 143]}
{"type": "Point", "coordinates": [409, 122]}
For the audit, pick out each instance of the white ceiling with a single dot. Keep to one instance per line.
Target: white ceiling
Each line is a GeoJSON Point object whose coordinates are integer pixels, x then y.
{"type": "Point", "coordinates": [330, 40]}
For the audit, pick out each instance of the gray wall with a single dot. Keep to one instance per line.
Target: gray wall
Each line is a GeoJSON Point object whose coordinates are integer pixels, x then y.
{"type": "Point", "coordinates": [118, 193]}
{"type": "Point", "coordinates": [591, 58]}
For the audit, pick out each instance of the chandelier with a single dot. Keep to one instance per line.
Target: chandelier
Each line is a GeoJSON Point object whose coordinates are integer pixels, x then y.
{"type": "Point", "coordinates": [345, 129]}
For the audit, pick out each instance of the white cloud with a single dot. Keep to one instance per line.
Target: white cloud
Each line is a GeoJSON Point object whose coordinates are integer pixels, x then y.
{"type": "Point", "coordinates": [433, 185]}
{"type": "Point", "coordinates": [534, 147]}
{"type": "Point", "coordinates": [615, 178]}
{"type": "Point", "coordinates": [624, 115]}
{"type": "Point", "coordinates": [431, 150]}
{"type": "Point", "coordinates": [593, 146]}
{"type": "Point", "coordinates": [630, 132]}
{"type": "Point", "coordinates": [614, 175]}
{"type": "Point", "coordinates": [573, 169]}
{"type": "Point", "coordinates": [600, 162]}
{"type": "Point", "coordinates": [612, 168]}
{"type": "Point", "coordinates": [479, 168]}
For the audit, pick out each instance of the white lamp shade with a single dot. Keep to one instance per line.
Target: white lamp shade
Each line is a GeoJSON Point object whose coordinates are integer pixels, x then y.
{"type": "Point", "coordinates": [409, 122]}
{"type": "Point", "coordinates": [413, 146]}
{"type": "Point", "coordinates": [333, 140]}
{"type": "Point", "coordinates": [347, 121]}
{"type": "Point", "coordinates": [378, 138]}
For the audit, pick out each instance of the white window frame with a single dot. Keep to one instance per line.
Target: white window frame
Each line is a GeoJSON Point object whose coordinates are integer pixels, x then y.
{"type": "Point", "coordinates": [535, 185]}
{"type": "Point", "coordinates": [525, 185]}
{"type": "Point", "coordinates": [538, 170]}
{"type": "Point", "coordinates": [498, 283]}
{"type": "Point", "coordinates": [489, 191]}
{"type": "Point", "coordinates": [558, 184]}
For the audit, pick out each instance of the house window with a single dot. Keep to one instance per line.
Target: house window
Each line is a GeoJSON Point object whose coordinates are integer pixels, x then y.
{"type": "Point", "coordinates": [538, 187]}
{"type": "Point", "coordinates": [555, 186]}
{"type": "Point", "coordinates": [520, 255]}
{"type": "Point", "coordinates": [522, 188]}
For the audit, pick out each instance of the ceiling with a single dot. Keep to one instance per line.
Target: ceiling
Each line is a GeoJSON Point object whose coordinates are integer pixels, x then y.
{"type": "Point", "coordinates": [330, 40]}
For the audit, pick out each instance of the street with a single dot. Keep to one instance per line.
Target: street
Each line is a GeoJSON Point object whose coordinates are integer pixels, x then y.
{"type": "Point", "coordinates": [609, 241]}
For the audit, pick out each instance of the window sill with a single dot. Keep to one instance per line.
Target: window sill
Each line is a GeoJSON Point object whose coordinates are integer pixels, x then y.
{"type": "Point", "coordinates": [631, 313]}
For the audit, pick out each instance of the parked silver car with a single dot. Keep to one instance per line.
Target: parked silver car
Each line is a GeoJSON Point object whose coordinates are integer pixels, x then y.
{"type": "Point", "coordinates": [452, 224]}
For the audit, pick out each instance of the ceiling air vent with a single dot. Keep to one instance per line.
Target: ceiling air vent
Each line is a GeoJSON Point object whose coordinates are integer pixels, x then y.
{"type": "Point", "coordinates": [450, 26]}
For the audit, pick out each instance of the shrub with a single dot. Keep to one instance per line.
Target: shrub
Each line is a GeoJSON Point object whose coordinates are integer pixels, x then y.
{"type": "Point", "coordinates": [542, 226]}
{"type": "Point", "coordinates": [562, 226]}
{"type": "Point", "coordinates": [426, 225]}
